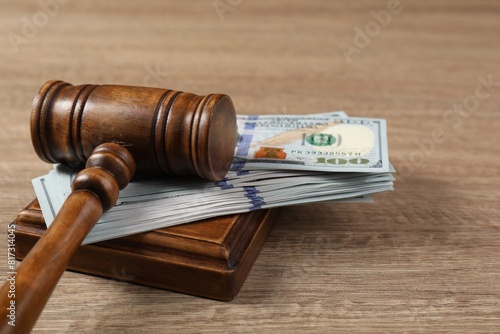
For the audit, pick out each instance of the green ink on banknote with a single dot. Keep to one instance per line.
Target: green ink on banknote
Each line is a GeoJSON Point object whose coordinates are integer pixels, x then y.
{"type": "Point", "coordinates": [321, 139]}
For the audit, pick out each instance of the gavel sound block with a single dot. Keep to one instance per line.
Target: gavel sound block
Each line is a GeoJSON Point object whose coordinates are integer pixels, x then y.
{"type": "Point", "coordinates": [210, 258]}
{"type": "Point", "coordinates": [112, 130]}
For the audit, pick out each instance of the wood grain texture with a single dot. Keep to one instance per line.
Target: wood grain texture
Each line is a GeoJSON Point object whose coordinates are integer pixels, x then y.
{"type": "Point", "coordinates": [424, 258]}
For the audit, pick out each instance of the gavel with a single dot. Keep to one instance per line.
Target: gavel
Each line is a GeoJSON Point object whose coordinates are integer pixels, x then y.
{"type": "Point", "coordinates": [113, 131]}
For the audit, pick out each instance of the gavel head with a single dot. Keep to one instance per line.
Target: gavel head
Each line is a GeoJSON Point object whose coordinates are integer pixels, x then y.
{"type": "Point", "coordinates": [168, 132]}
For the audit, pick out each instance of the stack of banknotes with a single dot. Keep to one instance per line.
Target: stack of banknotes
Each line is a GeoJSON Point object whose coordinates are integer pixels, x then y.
{"type": "Point", "coordinates": [280, 160]}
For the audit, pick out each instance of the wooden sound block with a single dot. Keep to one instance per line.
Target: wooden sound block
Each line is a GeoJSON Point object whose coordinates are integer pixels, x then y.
{"type": "Point", "coordinates": [209, 258]}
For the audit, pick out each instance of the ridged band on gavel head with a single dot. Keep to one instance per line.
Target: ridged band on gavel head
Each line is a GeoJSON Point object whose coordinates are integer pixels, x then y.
{"type": "Point", "coordinates": [168, 132]}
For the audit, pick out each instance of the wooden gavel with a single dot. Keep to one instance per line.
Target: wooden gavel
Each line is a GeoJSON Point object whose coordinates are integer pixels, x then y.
{"type": "Point", "coordinates": [113, 130]}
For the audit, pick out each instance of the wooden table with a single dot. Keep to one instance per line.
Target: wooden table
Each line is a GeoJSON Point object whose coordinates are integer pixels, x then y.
{"type": "Point", "coordinates": [423, 258]}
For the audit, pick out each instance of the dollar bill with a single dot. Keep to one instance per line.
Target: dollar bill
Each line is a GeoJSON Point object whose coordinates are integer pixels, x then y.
{"type": "Point", "coordinates": [312, 142]}
{"type": "Point", "coordinates": [142, 205]}
{"type": "Point", "coordinates": [149, 204]}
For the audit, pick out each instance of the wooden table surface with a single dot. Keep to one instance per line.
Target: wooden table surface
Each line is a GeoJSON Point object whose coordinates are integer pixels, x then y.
{"type": "Point", "coordinates": [424, 258]}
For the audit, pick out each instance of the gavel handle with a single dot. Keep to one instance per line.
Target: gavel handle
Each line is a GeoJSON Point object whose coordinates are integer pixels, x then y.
{"type": "Point", "coordinates": [95, 190]}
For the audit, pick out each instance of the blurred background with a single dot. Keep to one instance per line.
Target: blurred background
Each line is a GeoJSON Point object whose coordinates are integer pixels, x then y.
{"type": "Point", "coordinates": [421, 258]}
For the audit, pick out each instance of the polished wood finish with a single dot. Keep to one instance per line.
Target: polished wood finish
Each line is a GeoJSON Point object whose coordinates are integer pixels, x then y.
{"type": "Point", "coordinates": [94, 190]}
{"type": "Point", "coordinates": [421, 259]}
{"type": "Point", "coordinates": [168, 132]}
{"type": "Point", "coordinates": [210, 258]}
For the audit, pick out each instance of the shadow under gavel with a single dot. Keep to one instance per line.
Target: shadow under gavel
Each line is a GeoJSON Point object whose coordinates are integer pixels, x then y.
{"type": "Point", "coordinates": [113, 131]}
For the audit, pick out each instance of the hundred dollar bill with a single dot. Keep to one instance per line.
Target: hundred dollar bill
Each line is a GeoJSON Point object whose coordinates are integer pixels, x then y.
{"type": "Point", "coordinates": [142, 205]}
{"type": "Point", "coordinates": [311, 142]}
{"type": "Point", "coordinates": [155, 203]}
